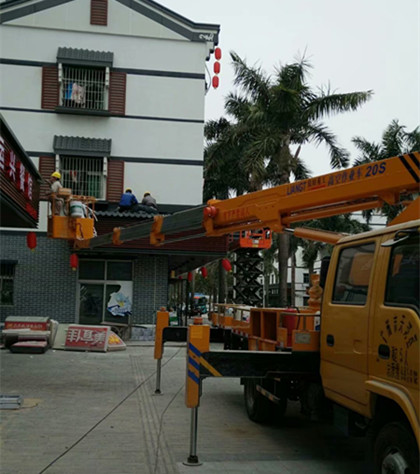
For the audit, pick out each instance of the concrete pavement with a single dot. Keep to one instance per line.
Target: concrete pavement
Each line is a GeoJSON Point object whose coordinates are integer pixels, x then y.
{"type": "Point", "coordinates": [90, 412]}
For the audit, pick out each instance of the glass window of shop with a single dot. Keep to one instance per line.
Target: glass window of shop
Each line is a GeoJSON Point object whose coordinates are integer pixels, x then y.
{"type": "Point", "coordinates": [105, 291]}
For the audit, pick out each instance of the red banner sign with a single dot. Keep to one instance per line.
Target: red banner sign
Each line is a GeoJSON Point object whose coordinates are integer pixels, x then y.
{"type": "Point", "coordinates": [87, 338]}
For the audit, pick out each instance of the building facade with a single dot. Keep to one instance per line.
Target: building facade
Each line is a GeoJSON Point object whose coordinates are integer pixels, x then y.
{"type": "Point", "coordinates": [111, 94]}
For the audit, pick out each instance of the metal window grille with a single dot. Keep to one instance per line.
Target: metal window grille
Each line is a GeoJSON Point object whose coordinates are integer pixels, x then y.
{"type": "Point", "coordinates": [83, 88]}
{"type": "Point", "coordinates": [7, 275]}
{"type": "Point", "coordinates": [85, 176]}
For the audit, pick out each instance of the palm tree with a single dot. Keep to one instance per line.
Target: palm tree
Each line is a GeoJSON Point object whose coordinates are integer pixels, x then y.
{"type": "Point", "coordinates": [269, 116]}
{"type": "Point", "coordinates": [395, 141]}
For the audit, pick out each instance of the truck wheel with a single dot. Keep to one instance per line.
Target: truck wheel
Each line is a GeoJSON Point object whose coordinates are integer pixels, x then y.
{"type": "Point", "coordinates": [257, 406]}
{"type": "Point", "coordinates": [395, 451]}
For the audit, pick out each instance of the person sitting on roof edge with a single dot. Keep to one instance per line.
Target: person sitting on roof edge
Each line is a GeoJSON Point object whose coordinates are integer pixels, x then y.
{"type": "Point", "coordinates": [149, 200]}
{"type": "Point", "coordinates": [128, 201]}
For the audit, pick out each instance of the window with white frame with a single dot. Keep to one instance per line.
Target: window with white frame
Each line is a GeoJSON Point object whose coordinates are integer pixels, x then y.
{"type": "Point", "coordinates": [83, 87]}
{"type": "Point", "coordinates": [84, 175]}
{"type": "Point", "coordinates": [7, 276]}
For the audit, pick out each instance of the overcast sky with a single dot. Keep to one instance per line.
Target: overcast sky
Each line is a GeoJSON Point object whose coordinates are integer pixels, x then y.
{"type": "Point", "coordinates": [353, 45]}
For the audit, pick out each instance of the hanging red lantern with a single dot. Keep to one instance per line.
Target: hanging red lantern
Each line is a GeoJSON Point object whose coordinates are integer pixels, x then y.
{"type": "Point", "coordinates": [226, 265]}
{"type": "Point", "coordinates": [218, 54]}
{"type": "Point", "coordinates": [180, 277]}
{"type": "Point", "coordinates": [190, 276]}
{"type": "Point", "coordinates": [31, 240]}
{"type": "Point", "coordinates": [216, 67]}
{"type": "Point", "coordinates": [74, 261]}
{"type": "Point", "coordinates": [215, 82]}
{"type": "Point", "coordinates": [204, 272]}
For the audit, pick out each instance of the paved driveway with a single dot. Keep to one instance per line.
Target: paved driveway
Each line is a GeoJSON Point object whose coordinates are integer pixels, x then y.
{"type": "Point", "coordinates": [88, 412]}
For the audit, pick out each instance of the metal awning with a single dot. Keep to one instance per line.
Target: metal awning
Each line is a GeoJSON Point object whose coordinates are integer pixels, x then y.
{"type": "Point", "coordinates": [85, 57]}
{"type": "Point", "coordinates": [81, 146]}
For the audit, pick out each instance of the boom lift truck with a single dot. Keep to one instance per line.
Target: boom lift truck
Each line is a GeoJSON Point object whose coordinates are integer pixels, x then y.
{"type": "Point", "coordinates": [365, 357]}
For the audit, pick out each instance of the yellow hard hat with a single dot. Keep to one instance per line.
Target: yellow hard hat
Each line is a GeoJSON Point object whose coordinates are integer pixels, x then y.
{"type": "Point", "coordinates": [128, 190]}
{"type": "Point", "coordinates": [56, 174]}
{"type": "Point", "coordinates": [146, 193]}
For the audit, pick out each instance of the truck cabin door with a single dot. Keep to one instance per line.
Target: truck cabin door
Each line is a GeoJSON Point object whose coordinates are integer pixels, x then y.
{"type": "Point", "coordinates": [345, 322]}
{"type": "Point", "coordinates": [396, 331]}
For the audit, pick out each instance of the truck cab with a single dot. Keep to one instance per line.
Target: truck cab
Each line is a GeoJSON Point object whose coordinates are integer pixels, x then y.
{"type": "Point", "coordinates": [370, 334]}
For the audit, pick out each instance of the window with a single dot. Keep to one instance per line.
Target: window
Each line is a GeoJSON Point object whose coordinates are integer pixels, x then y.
{"type": "Point", "coordinates": [353, 274]}
{"type": "Point", "coordinates": [7, 274]}
{"type": "Point", "coordinates": [85, 176]}
{"type": "Point", "coordinates": [403, 283]}
{"type": "Point", "coordinates": [306, 278]}
{"type": "Point", "coordinates": [84, 87]}
{"type": "Point", "coordinates": [83, 163]}
{"type": "Point", "coordinates": [84, 82]}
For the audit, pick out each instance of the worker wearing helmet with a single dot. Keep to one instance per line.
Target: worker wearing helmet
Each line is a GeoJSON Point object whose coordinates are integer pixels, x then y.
{"type": "Point", "coordinates": [128, 201]}
{"type": "Point", "coordinates": [149, 200]}
{"type": "Point", "coordinates": [55, 186]}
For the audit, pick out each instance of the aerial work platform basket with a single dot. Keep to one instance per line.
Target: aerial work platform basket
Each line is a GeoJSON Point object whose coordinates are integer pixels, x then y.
{"type": "Point", "coordinates": [71, 217]}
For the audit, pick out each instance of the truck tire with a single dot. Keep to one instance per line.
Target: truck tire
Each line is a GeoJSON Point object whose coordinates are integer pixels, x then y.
{"type": "Point", "coordinates": [257, 406]}
{"type": "Point", "coordinates": [395, 451]}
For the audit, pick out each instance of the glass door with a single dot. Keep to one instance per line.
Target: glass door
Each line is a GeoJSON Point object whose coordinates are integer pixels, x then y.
{"type": "Point", "coordinates": [105, 291]}
{"type": "Point", "coordinates": [91, 303]}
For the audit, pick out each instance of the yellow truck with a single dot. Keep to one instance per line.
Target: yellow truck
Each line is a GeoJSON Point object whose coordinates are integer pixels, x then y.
{"type": "Point", "coordinates": [369, 340]}
{"type": "Point", "coordinates": [364, 356]}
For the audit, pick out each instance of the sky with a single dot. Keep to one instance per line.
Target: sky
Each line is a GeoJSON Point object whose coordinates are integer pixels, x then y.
{"type": "Point", "coordinates": [355, 45]}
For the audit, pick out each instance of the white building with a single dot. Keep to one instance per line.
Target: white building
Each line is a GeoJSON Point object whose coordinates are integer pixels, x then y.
{"type": "Point", "coordinates": [111, 93]}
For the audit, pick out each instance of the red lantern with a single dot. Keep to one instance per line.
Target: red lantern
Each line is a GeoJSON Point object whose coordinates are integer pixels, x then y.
{"type": "Point", "coordinates": [216, 67]}
{"type": "Point", "coordinates": [226, 265]}
{"type": "Point", "coordinates": [74, 261]}
{"type": "Point", "coordinates": [204, 272]}
{"type": "Point", "coordinates": [31, 240]}
{"type": "Point", "coordinates": [218, 54]}
{"type": "Point", "coordinates": [215, 82]}
{"type": "Point", "coordinates": [190, 276]}
{"type": "Point", "coordinates": [180, 277]}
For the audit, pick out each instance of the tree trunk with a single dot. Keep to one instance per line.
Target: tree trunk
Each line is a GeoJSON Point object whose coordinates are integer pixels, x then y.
{"type": "Point", "coordinates": [293, 280]}
{"type": "Point", "coordinates": [310, 267]}
{"type": "Point", "coordinates": [283, 256]}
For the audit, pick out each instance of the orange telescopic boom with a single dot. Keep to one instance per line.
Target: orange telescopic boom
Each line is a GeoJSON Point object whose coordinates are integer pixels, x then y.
{"type": "Point", "coordinates": [359, 188]}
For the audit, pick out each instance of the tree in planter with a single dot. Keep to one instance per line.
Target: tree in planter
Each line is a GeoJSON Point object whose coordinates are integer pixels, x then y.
{"type": "Point", "coordinates": [269, 116]}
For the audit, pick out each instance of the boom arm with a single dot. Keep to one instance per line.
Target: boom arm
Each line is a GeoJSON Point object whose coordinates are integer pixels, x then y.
{"type": "Point", "coordinates": [362, 187]}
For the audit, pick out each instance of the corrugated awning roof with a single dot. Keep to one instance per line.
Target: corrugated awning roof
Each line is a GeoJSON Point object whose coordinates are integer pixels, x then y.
{"type": "Point", "coordinates": [85, 57]}
{"type": "Point", "coordinates": [81, 146]}
{"type": "Point", "coordinates": [132, 214]}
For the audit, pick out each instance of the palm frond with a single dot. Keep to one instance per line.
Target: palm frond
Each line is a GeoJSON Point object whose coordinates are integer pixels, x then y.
{"type": "Point", "coordinates": [237, 106]}
{"type": "Point", "coordinates": [393, 139]}
{"type": "Point", "coordinates": [339, 157]}
{"type": "Point", "coordinates": [327, 104]}
{"type": "Point", "coordinates": [369, 151]}
{"type": "Point", "coordinates": [253, 81]}
{"type": "Point", "coordinates": [412, 140]}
